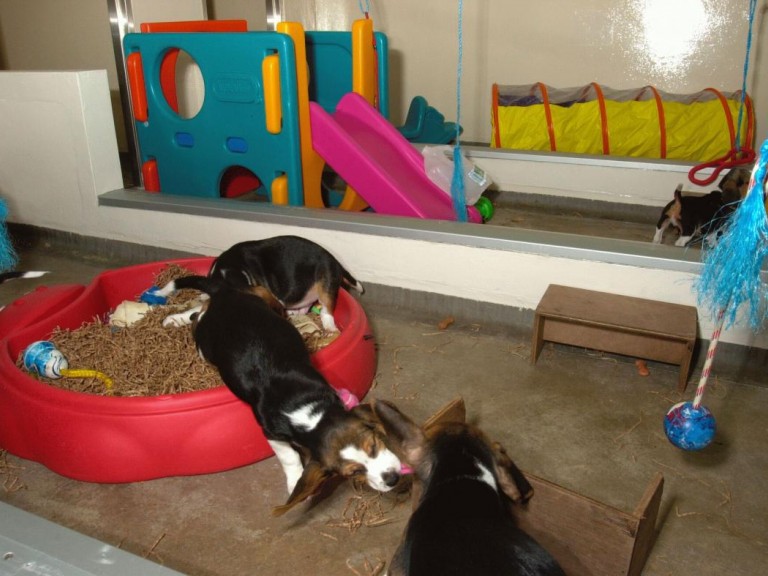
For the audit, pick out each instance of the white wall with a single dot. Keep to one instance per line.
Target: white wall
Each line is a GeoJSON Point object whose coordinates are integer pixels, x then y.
{"type": "Point", "coordinates": [679, 46]}
{"type": "Point", "coordinates": [60, 154]}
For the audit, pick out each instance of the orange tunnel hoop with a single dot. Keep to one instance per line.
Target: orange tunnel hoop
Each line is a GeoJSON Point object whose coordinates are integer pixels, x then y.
{"type": "Point", "coordinates": [603, 118]}
{"type": "Point", "coordinates": [662, 118]}
{"type": "Point", "coordinates": [548, 114]}
{"type": "Point", "coordinates": [135, 71]}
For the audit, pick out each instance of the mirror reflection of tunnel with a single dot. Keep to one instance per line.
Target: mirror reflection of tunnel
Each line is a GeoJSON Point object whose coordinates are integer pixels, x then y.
{"type": "Point", "coordinates": [241, 183]}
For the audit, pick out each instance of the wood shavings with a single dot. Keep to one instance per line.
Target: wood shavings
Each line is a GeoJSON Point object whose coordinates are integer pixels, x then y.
{"type": "Point", "coordinates": [147, 359]}
{"type": "Point", "coordinates": [153, 548]}
{"type": "Point", "coordinates": [635, 425]}
{"type": "Point", "coordinates": [9, 473]}
{"type": "Point", "coordinates": [520, 350]}
{"type": "Point", "coordinates": [369, 569]}
{"type": "Point", "coordinates": [366, 509]}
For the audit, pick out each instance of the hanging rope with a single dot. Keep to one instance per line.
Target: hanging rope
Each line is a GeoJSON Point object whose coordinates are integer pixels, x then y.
{"type": "Point", "coordinates": [736, 156]}
{"type": "Point", "coordinates": [366, 10]}
{"type": "Point", "coordinates": [457, 183]}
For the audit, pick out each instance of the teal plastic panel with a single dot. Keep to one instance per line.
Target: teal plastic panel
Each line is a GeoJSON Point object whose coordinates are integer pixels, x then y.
{"type": "Point", "coordinates": [230, 129]}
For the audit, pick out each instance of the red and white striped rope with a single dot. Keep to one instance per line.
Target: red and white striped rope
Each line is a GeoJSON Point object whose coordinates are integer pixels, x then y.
{"type": "Point", "coordinates": [710, 357]}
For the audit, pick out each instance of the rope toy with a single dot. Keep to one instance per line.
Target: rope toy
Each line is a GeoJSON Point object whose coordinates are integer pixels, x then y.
{"type": "Point", "coordinates": [729, 280]}
{"type": "Point", "coordinates": [43, 358]}
{"type": "Point", "coordinates": [736, 156]}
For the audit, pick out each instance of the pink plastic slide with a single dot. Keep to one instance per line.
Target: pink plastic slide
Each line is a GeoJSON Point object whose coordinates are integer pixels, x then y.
{"type": "Point", "coordinates": [378, 162]}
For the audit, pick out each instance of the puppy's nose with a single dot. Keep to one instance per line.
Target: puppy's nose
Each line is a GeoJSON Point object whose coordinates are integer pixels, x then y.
{"type": "Point", "coordinates": [391, 478]}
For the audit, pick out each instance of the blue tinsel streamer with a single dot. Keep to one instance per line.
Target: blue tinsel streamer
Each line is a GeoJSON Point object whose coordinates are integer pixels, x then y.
{"type": "Point", "coordinates": [7, 253]}
{"type": "Point", "coordinates": [732, 268]}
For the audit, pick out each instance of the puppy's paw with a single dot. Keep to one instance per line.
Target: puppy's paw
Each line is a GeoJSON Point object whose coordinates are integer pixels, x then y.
{"type": "Point", "coordinates": [176, 321]}
{"type": "Point", "coordinates": [329, 324]}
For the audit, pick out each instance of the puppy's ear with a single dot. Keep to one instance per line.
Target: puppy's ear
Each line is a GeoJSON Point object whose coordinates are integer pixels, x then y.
{"type": "Point", "coordinates": [405, 435]}
{"type": "Point", "coordinates": [313, 477]}
{"type": "Point", "coordinates": [511, 480]}
{"type": "Point", "coordinates": [273, 303]}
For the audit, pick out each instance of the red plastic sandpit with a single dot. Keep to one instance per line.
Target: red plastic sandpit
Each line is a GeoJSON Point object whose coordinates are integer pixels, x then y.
{"type": "Point", "coordinates": [113, 439]}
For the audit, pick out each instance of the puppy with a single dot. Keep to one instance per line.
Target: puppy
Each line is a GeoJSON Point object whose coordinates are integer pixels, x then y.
{"type": "Point", "coordinates": [297, 271]}
{"type": "Point", "coordinates": [264, 361]}
{"type": "Point", "coordinates": [695, 217]}
{"type": "Point", "coordinates": [462, 524]}
{"type": "Point", "coordinates": [735, 184]}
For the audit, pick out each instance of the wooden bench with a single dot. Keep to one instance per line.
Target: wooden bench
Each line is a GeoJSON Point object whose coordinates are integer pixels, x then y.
{"type": "Point", "coordinates": [617, 324]}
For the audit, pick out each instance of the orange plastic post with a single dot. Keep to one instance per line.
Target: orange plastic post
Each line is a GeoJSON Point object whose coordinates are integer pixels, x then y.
{"type": "Point", "coordinates": [150, 176]}
{"type": "Point", "coordinates": [273, 108]}
{"type": "Point", "coordinates": [311, 163]}
{"type": "Point", "coordinates": [135, 72]}
{"type": "Point", "coordinates": [280, 190]}
{"type": "Point", "coordinates": [364, 60]}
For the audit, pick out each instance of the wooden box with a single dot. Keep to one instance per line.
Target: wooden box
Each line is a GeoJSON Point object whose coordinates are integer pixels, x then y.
{"type": "Point", "coordinates": [587, 537]}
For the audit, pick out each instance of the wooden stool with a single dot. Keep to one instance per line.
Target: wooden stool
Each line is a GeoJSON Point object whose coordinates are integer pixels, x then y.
{"type": "Point", "coordinates": [617, 324]}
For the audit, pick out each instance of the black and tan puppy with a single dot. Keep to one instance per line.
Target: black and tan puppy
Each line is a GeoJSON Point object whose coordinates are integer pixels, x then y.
{"type": "Point", "coordinates": [695, 217]}
{"type": "Point", "coordinates": [462, 524]}
{"type": "Point", "coordinates": [263, 360]}
{"type": "Point", "coordinates": [297, 271]}
{"type": "Point", "coordinates": [698, 217]}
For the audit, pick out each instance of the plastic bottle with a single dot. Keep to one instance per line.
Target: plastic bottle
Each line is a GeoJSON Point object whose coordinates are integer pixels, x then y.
{"type": "Point", "coordinates": [438, 164]}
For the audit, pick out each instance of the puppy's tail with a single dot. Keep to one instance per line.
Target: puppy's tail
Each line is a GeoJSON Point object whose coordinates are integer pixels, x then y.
{"type": "Point", "coordinates": [350, 283]}
{"type": "Point", "coordinates": [208, 284]}
{"type": "Point", "coordinates": [679, 193]}
{"type": "Point", "coordinates": [5, 276]}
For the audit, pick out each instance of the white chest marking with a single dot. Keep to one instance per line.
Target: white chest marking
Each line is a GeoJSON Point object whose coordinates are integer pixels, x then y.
{"type": "Point", "coordinates": [305, 417]}
{"type": "Point", "coordinates": [486, 476]}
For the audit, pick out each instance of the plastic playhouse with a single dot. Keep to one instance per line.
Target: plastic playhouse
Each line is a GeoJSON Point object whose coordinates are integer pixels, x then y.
{"type": "Point", "coordinates": [277, 107]}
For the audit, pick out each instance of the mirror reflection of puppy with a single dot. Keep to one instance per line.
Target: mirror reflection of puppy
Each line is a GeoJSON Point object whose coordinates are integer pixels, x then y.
{"type": "Point", "coordinates": [701, 217]}
{"type": "Point", "coordinates": [735, 184]}
{"type": "Point", "coordinates": [461, 523]}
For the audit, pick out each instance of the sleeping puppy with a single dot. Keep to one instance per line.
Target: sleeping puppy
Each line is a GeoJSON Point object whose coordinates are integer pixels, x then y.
{"type": "Point", "coordinates": [694, 217]}
{"type": "Point", "coordinates": [462, 524]}
{"type": "Point", "coordinates": [263, 360]}
{"type": "Point", "coordinates": [297, 271]}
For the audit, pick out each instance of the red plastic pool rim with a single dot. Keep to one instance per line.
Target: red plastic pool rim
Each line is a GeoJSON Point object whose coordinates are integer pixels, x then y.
{"type": "Point", "coordinates": [114, 439]}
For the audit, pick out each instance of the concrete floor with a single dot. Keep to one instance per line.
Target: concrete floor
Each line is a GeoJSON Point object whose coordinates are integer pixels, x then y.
{"type": "Point", "coordinates": [582, 419]}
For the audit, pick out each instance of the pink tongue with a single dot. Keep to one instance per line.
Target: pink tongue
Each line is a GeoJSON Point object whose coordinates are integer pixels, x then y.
{"type": "Point", "coordinates": [347, 398]}
{"type": "Point", "coordinates": [405, 469]}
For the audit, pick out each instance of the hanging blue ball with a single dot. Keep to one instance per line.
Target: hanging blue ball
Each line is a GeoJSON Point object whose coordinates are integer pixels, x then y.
{"type": "Point", "coordinates": [689, 428]}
